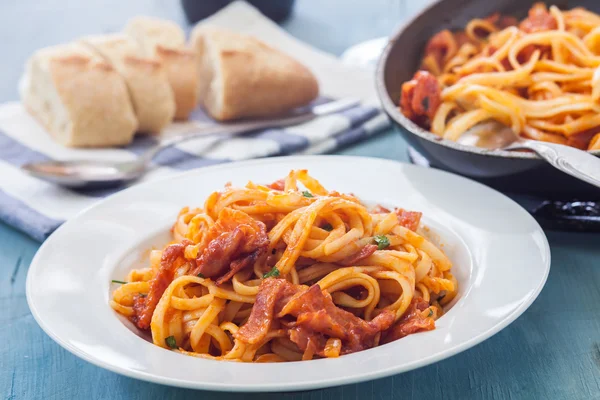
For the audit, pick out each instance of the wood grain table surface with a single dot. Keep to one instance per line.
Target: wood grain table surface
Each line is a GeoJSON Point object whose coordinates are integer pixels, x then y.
{"type": "Point", "coordinates": [551, 352]}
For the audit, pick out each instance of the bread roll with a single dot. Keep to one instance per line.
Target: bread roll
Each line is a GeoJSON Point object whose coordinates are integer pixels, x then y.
{"type": "Point", "coordinates": [166, 41]}
{"type": "Point", "coordinates": [145, 77]}
{"type": "Point", "coordinates": [78, 97]}
{"type": "Point", "coordinates": [240, 76]}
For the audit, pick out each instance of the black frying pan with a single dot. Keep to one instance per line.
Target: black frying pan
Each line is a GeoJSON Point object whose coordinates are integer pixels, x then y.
{"type": "Point", "coordinates": [515, 172]}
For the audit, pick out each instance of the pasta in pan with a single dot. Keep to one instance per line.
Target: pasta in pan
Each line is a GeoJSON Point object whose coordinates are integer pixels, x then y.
{"type": "Point", "coordinates": [540, 77]}
{"type": "Point", "coordinates": [280, 272]}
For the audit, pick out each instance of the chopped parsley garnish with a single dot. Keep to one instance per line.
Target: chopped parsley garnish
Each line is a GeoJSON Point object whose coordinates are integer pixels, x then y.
{"type": "Point", "coordinates": [200, 275]}
{"type": "Point", "coordinates": [274, 273]}
{"type": "Point", "coordinates": [171, 342]}
{"type": "Point", "coordinates": [306, 193]}
{"type": "Point", "coordinates": [430, 312]}
{"type": "Point", "coordinates": [119, 282]}
{"type": "Point", "coordinates": [327, 227]}
{"type": "Point", "coordinates": [425, 103]}
{"type": "Point", "coordinates": [381, 241]}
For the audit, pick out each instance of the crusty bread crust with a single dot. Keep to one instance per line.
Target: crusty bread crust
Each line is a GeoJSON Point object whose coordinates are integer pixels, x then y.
{"type": "Point", "coordinates": [78, 97]}
{"type": "Point", "coordinates": [146, 78]}
{"type": "Point", "coordinates": [240, 76]}
{"type": "Point", "coordinates": [151, 32]}
{"type": "Point", "coordinates": [165, 40]}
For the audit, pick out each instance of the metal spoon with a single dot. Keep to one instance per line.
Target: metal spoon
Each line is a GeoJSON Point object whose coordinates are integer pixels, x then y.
{"type": "Point", "coordinates": [102, 174]}
{"type": "Point", "coordinates": [575, 162]}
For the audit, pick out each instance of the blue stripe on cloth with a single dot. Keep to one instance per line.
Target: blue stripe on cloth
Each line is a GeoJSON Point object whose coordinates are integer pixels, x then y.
{"type": "Point", "coordinates": [288, 143]}
{"type": "Point", "coordinates": [359, 115]}
{"type": "Point", "coordinates": [17, 154]}
{"type": "Point", "coordinates": [178, 159]}
{"type": "Point", "coordinates": [18, 214]}
{"type": "Point", "coordinates": [318, 101]}
{"type": "Point", "coordinates": [172, 156]}
{"type": "Point", "coordinates": [350, 136]}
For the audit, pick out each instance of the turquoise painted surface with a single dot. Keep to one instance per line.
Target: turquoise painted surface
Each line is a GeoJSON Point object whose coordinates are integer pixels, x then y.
{"type": "Point", "coordinates": [551, 352]}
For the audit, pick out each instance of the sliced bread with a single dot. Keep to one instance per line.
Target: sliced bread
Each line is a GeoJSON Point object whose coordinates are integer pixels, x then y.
{"type": "Point", "coordinates": [240, 76]}
{"type": "Point", "coordinates": [78, 97]}
{"type": "Point", "coordinates": [146, 78]}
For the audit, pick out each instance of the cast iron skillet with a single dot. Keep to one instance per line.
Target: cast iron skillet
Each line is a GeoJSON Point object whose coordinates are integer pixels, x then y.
{"type": "Point", "coordinates": [516, 172]}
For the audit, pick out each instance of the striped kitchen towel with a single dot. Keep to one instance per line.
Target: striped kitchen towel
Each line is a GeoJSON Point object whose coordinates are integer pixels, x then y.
{"type": "Point", "coordinates": [38, 208]}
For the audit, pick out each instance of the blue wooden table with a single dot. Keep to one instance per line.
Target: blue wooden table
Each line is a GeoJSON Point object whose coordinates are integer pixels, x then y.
{"type": "Point", "coordinates": [551, 352]}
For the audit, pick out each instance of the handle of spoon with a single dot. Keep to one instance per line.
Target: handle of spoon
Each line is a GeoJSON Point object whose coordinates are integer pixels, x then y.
{"type": "Point", "coordinates": [575, 162]}
{"type": "Point", "coordinates": [228, 129]}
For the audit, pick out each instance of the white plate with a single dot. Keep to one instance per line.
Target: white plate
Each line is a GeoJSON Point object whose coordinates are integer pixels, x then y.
{"type": "Point", "coordinates": [501, 259]}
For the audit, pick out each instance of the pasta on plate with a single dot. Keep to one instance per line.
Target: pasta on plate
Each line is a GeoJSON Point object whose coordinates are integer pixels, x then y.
{"type": "Point", "coordinates": [540, 77]}
{"type": "Point", "coordinates": [280, 272]}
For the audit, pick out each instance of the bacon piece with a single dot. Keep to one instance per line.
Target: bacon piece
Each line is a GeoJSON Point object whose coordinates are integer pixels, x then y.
{"type": "Point", "coordinates": [461, 38]}
{"type": "Point", "coordinates": [501, 21]}
{"type": "Point", "coordinates": [315, 311]}
{"type": "Point", "coordinates": [272, 293]}
{"type": "Point", "coordinates": [409, 219]}
{"type": "Point", "coordinates": [581, 140]}
{"type": "Point", "coordinates": [359, 255]}
{"type": "Point", "coordinates": [426, 99]}
{"type": "Point", "coordinates": [539, 19]}
{"type": "Point", "coordinates": [505, 21]}
{"type": "Point", "coordinates": [317, 318]}
{"type": "Point", "coordinates": [594, 142]}
{"type": "Point", "coordinates": [219, 253]}
{"type": "Point", "coordinates": [143, 307]}
{"type": "Point", "coordinates": [489, 50]}
{"type": "Point", "coordinates": [240, 264]}
{"type": "Point", "coordinates": [441, 46]}
{"type": "Point", "coordinates": [506, 64]}
{"type": "Point", "coordinates": [527, 52]}
{"type": "Point", "coordinates": [308, 340]}
{"type": "Point", "coordinates": [228, 219]}
{"type": "Point", "coordinates": [411, 322]}
{"type": "Point", "coordinates": [139, 305]}
{"type": "Point", "coordinates": [406, 98]}
{"type": "Point", "coordinates": [234, 242]}
{"type": "Point", "coordinates": [420, 97]}
{"type": "Point", "coordinates": [277, 185]}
